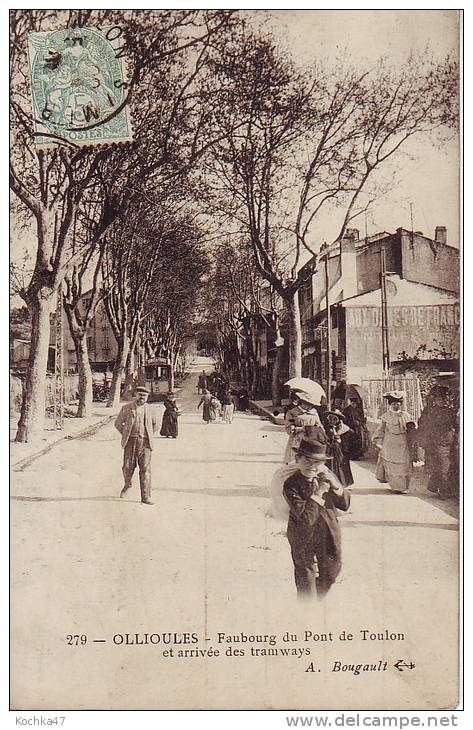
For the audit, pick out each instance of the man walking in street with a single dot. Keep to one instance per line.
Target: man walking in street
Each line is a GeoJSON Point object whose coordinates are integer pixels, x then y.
{"type": "Point", "coordinates": [202, 382]}
{"type": "Point", "coordinates": [137, 423]}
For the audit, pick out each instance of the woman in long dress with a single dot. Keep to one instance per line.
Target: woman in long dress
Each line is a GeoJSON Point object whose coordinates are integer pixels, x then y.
{"type": "Point", "coordinates": [436, 433]}
{"type": "Point", "coordinates": [169, 425]}
{"type": "Point", "coordinates": [393, 438]}
{"type": "Point", "coordinates": [205, 402]}
{"type": "Point", "coordinates": [337, 430]}
{"type": "Point", "coordinates": [215, 409]}
{"type": "Point", "coordinates": [303, 422]}
{"type": "Point", "coordinates": [357, 440]}
{"type": "Point", "coordinates": [289, 422]}
{"type": "Point", "coordinates": [228, 407]}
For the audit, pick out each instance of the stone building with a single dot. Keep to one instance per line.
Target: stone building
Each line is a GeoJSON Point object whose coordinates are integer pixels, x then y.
{"type": "Point", "coordinates": [422, 282]}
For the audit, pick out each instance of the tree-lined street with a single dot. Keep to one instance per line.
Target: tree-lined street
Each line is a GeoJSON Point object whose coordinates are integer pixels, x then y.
{"type": "Point", "coordinates": [188, 192]}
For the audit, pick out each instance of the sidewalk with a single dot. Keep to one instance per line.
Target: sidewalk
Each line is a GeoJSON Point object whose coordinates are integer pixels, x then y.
{"type": "Point", "coordinates": [22, 454]}
{"type": "Point", "coordinates": [420, 478]}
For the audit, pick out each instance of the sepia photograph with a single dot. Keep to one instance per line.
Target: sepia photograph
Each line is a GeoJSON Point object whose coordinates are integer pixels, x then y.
{"type": "Point", "coordinates": [235, 360]}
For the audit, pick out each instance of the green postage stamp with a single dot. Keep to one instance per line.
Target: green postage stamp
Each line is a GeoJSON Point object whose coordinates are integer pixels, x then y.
{"type": "Point", "coordinates": [78, 87]}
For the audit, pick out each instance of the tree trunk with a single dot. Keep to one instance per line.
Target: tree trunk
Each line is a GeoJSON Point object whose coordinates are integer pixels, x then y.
{"type": "Point", "coordinates": [33, 406]}
{"type": "Point", "coordinates": [275, 385]}
{"type": "Point", "coordinates": [79, 337]}
{"type": "Point", "coordinates": [295, 336]}
{"type": "Point", "coordinates": [118, 371]}
{"type": "Point", "coordinates": [254, 379]}
{"type": "Point", "coordinates": [129, 375]}
{"type": "Point", "coordinates": [84, 409]}
{"type": "Point", "coordinates": [171, 370]}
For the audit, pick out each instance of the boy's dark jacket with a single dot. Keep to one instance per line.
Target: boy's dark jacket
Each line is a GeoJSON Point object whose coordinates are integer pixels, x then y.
{"type": "Point", "coordinates": [307, 516]}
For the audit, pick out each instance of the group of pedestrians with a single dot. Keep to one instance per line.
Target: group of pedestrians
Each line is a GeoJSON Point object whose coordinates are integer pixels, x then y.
{"type": "Point", "coordinates": [316, 478]}
{"type": "Point", "coordinates": [306, 418]}
{"type": "Point", "coordinates": [218, 401]}
{"type": "Point", "coordinates": [398, 440]}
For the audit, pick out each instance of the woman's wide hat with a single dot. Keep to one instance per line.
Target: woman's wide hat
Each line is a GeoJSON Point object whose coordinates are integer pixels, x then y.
{"type": "Point", "coordinates": [308, 398]}
{"type": "Point", "coordinates": [338, 414]}
{"type": "Point", "coordinates": [313, 449]}
{"type": "Point", "coordinates": [395, 395]}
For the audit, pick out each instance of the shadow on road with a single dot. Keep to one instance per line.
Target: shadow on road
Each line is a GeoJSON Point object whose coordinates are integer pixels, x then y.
{"type": "Point", "coordinates": [225, 461]}
{"type": "Point", "coordinates": [417, 489]}
{"type": "Point", "coordinates": [253, 453]}
{"type": "Point", "coordinates": [240, 490]}
{"type": "Point", "coordinates": [19, 498]}
{"type": "Point", "coordinates": [278, 429]}
{"type": "Point", "coordinates": [398, 523]}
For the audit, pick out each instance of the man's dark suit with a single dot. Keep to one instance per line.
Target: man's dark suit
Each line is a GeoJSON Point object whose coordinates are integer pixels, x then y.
{"type": "Point", "coordinates": [136, 450]}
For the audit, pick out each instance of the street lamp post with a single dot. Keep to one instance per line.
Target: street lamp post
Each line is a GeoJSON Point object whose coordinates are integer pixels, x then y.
{"type": "Point", "coordinates": [329, 336]}
{"type": "Point", "coordinates": [384, 312]}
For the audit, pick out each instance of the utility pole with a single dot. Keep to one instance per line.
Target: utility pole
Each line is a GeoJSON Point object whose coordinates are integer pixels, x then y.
{"type": "Point", "coordinates": [384, 312]}
{"type": "Point", "coordinates": [329, 338]}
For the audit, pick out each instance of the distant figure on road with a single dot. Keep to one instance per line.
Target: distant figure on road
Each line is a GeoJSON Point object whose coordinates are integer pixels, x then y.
{"type": "Point", "coordinates": [136, 423]}
{"type": "Point", "coordinates": [202, 382]}
{"type": "Point", "coordinates": [169, 424]}
{"type": "Point", "coordinates": [393, 438]}
{"type": "Point", "coordinates": [215, 409]}
{"type": "Point", "coordinates": [314, 494]}
{"type": "Point", "coordinates": [243, 400]}
{"type": "Point", "coordinates": [228, 407]}
{"type": "Point", "coordinates": [205, 402]}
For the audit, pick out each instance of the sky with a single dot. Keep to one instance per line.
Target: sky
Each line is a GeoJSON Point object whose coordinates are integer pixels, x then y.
{"type": "Point", "coordinates": [428, 177]}
{"type": "Point", "coordinates": [425, 176]}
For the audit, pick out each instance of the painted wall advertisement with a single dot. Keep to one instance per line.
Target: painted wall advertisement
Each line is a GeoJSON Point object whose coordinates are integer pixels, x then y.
{"type": "Point", "coordinates": [438, 325]}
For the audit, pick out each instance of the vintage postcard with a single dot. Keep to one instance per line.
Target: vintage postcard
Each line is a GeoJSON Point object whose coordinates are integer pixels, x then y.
{"type": "Point", "coordinates": [235, 360]}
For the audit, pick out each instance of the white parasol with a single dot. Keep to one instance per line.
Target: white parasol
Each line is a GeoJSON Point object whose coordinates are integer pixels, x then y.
{"type": "Point", "coordinates": [308, 386]}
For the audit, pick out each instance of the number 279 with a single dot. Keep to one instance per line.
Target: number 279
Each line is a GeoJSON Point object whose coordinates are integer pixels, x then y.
{"type": "Point", "coordinates": [76, 639]}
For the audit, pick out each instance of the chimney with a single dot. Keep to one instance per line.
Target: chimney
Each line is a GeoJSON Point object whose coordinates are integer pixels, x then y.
{"type": "Point", "coordinates": [353, 234]}
{"type": "Point", "coordinates": [348, 267]}
{"type": "Point", "coordinates": [441, 234]}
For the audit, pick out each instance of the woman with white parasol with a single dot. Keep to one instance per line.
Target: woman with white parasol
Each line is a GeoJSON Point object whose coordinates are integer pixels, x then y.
{"type": "Point", "coordinates": [302, 420]}
{"type": "Point", "coordinates": [308, 394]}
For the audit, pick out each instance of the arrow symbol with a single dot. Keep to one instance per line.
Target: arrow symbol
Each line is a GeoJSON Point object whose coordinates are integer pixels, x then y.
{"type": "Point", "coordinates": [401, 665]}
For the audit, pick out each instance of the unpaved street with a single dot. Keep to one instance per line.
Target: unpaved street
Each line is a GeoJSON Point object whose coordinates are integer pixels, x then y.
{"type": "Point", "coordinates": [208, 558]}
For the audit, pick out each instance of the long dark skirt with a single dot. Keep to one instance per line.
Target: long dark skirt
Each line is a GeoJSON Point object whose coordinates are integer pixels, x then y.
{"type": "Point", "coordinates": [206, 414]}
{"type": "Point", "coordinates": [340, 465]}
{"type": "Point", "coordinates": [169, 426]}
{"type": "Point", "coordinates": [355, 442]}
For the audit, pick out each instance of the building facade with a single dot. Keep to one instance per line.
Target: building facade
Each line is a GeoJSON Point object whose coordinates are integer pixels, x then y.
{"type": "Point", "coordinates": [423, 317]}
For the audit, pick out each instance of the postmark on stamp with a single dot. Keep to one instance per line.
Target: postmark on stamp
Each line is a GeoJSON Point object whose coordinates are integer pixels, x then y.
{"type": "Point", "coordinates": [78, 88]}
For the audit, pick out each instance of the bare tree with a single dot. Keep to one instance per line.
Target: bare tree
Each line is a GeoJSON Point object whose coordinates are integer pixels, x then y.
{"type": "Point", "coordinates": [51, 185]}
{"type": "Point", "coordinates": [296, 144]}
{"type": "Point", "coordinates": [151, 271]}
{"type": "Point", "coordinates": [80, 312]}
{"type": "Point", "coordinates": [240, 302]}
